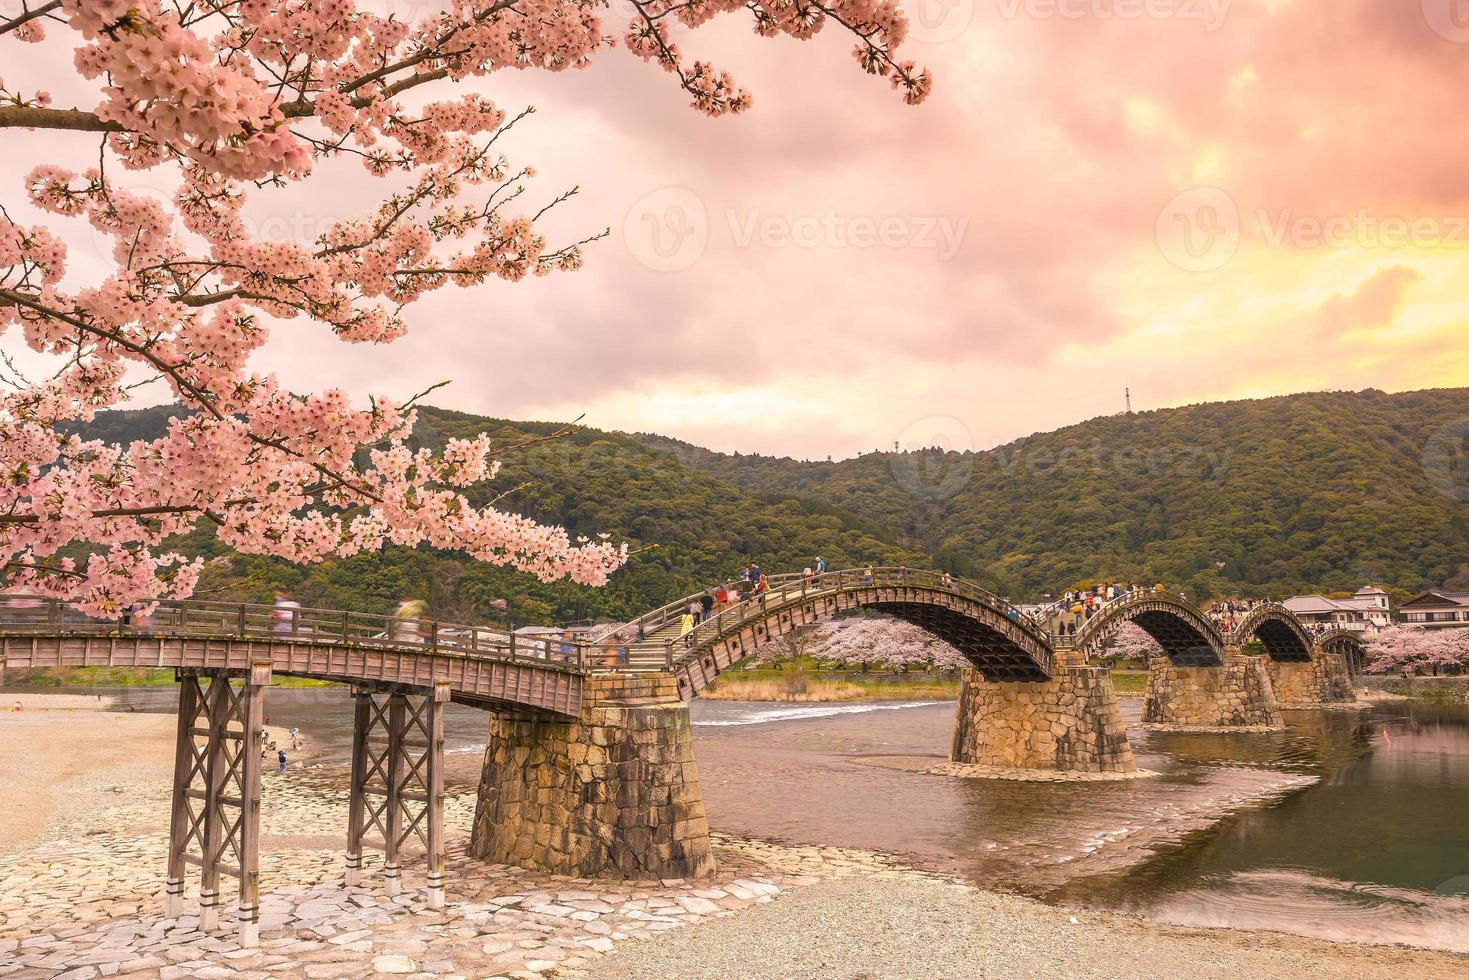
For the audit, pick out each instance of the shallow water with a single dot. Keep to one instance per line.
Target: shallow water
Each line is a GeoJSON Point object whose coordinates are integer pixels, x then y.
{"type": "Point", "coordinates": [1350, 825]}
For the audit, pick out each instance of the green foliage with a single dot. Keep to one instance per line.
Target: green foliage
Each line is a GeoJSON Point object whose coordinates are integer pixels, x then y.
{"type": "Point", "coordinates": [688, 530]}
{"type": "Point", "coordinates": [1317, 492]}
{"type": "Point", "coordinates": [1304, 493]}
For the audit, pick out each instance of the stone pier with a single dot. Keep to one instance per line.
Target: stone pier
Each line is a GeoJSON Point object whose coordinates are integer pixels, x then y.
{"type": "Point", "coordinates": [613, 793]}
{"type": "Point", "coordinates": [1069, 723]}
{"type": "Point", "coordinates": [1324, 679]}
{"type": "Point", "coordinates": [1236, 694]}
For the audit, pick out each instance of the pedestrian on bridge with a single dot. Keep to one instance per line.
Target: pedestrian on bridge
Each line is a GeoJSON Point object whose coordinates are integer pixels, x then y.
{"type": "Point", "coordinates": [706, 605]}
{"type": "Point", "coordinates": [820, 565]}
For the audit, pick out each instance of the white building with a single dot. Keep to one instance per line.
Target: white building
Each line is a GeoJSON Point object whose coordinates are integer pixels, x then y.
{"type": "Point", "coordinates": [1436, 609]}
{"type": "Point", "coordinates": [1369, 608]}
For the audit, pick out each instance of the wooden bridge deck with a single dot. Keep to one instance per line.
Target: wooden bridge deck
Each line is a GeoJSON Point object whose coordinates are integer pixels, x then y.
{"type": "Point", "coordinates": [482, 668]}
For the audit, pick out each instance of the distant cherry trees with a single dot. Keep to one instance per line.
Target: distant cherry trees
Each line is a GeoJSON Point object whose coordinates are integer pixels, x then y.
{"type": "Point", "coordinates": [887, 644]}
{"type": "Point", "coordinates": [1413, 649]}
{"type": "Point", "coordinates": [1128, 642]}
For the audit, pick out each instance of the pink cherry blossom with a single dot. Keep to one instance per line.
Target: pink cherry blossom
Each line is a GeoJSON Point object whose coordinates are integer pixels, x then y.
{"type": "Point", "coordinates": [229, 98]}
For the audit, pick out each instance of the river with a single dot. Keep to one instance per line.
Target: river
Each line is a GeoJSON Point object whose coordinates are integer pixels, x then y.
{"type": "Point", "coordinates": [1351, 825]}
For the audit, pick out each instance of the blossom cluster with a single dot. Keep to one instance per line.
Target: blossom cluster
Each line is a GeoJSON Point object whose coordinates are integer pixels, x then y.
{"type": "Point", "coordinates": [1417, 648]}
{"type": "Point", "coordinates": [229, 100]}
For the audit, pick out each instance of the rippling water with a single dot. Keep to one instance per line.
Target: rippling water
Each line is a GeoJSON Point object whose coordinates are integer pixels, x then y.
{"type": "Point", "coordinates": [1350, 825]}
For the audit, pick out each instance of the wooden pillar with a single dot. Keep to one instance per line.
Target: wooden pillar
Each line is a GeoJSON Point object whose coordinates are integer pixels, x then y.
{"type": "Point", "coordinates": [393, 818]}
{"type": "Point", "coordinates": [180, 821]}
{"type": "Point", "coordinates": [216, 707]}
{"type": "Point", "coordinates": [357, 806]}
{"type": "Point", "coordinates": [434, 764]}
{"type": "Point", "coordinates": [252, 740]}
{"type": "Point", "coordinates": [210, 779]}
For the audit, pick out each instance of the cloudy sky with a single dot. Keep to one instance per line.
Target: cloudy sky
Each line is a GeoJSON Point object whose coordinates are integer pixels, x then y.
{"type": "Point", "coordinates": [1196, 199]}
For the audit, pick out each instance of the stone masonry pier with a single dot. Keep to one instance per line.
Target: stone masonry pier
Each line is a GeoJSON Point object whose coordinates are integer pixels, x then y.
{"type": "Point", "coordinates": [613, 793]}
{"type": "Point", "coordinates": [1237, 694]}
{"type": "Point", "coordinates": [1324, 679]}
{"type": "Point", "coordinates": [1069, 723]}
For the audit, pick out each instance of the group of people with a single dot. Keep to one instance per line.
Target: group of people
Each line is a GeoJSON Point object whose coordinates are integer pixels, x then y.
{"type": "Point", "coordinates": [1227, 613]}
{"type": "Point", "coordinates": [270, 747]}
{"type": "Point", "coordinates": [752, 584]}
{"type": "Point", "coordinates": [1070, 612]}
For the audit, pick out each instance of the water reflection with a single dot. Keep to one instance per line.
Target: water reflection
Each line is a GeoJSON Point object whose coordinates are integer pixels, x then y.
{"type": "Point", "coordinates": [1368, 854]}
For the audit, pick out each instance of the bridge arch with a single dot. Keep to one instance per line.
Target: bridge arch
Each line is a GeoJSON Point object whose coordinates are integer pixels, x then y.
{"type": "Point", "coordinates": [1284, 637]}
{"type": "Point", "coordinates": [1182, 630]}
{"type": "Point", "coordinates": [1347, 643]}
{"type": "Point", "coordinates": [999, 641]}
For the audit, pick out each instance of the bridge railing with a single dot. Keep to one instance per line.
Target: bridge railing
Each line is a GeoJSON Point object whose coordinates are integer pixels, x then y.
{"type": "Point", "coordinates": [1083, 635]}
{"type": "Point", "coordinates": [242, 620]}
{"type": "Point", "coordinates": [791, 589]}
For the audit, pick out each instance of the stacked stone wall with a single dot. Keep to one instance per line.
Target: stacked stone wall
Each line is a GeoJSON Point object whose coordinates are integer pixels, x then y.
{"type": "Point", "coordinates": [1237, 694]}
{"type": "Point", "coordinates": [1070, 723]}
{"type": "Point", "coordinates": [615, 792]}
{"type": "Point", "coordinates": [1325, 679]}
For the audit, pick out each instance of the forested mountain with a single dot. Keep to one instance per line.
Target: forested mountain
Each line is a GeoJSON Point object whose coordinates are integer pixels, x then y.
{"type": "Point", "coordinates": [1316, 492]}
{"type": "Point", "coordinates": [1312, 492]}
{"type": "Point", "coordinates": [688, 529]}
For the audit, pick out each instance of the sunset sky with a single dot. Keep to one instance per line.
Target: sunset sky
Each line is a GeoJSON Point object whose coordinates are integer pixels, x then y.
{"type": "Point", "coordinates": [1196, 199]}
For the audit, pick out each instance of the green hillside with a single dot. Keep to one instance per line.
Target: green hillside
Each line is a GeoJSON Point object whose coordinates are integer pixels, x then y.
{"type": "Point", "coordinates": [689, 530]}
{"type": "Point", "coordinates": [1315, 492]}
{"type": "Point", "coordinates": [1312, 492]}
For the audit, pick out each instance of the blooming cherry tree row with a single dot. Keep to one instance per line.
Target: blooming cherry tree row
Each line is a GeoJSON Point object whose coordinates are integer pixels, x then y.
{"type": "Point", "coordinates": [888, 643]}
{"type": "Point", "coordinates": [234, 98]}
{"type": "Point", "coordinates": [1414, 649]}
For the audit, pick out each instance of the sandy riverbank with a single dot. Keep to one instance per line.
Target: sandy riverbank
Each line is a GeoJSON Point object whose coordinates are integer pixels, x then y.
{"type": "Point", "coordinates": [53, 758]}
{"type": "Point", "coordinates": [79, 890]}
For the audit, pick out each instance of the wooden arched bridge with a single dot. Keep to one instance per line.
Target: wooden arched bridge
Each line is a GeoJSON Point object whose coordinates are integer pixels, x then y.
{"type": "Point", "coordinates": [589, 734]}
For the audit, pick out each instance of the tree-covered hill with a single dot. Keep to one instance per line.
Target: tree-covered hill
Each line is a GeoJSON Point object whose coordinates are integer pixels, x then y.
{"type": "Point", "coordinates": [1311, 492]}
{"type": "Point", "coordinates": [688, 529]}
{"type": "Point", "coordinates": [1304, 493]}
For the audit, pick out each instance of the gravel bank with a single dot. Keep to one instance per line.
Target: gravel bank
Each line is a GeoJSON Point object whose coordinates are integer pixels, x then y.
{"type": "Point", "coordinates": [864, 928]}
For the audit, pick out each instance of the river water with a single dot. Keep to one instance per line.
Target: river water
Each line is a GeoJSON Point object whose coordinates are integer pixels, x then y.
{"type": "Point", "coordinates": [1350, 825]}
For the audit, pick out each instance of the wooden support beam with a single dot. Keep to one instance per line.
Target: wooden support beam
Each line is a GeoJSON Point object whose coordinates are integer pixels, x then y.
{"type": "Point", "coordinates": [357, 804]}
{"type": "Point", "coordinates": [435, 779]}
{"type": "Point", "coordinates": [393, 818]}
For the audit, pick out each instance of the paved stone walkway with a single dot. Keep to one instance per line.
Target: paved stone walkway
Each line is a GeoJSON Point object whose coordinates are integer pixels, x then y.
{"type": "Point", "coordinates": [88, 902]}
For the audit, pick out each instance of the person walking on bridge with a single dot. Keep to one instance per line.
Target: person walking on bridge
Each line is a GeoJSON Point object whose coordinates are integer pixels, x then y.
{"type": "Point", "coordinates": [706, 605]}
